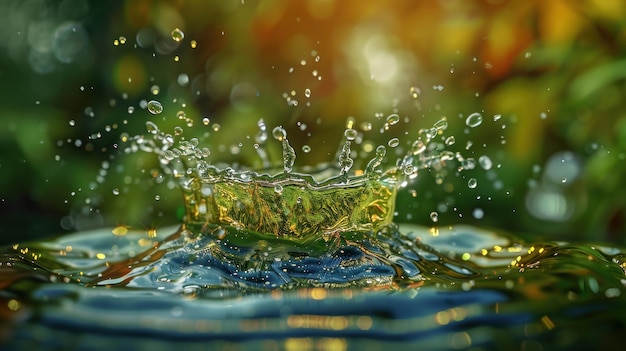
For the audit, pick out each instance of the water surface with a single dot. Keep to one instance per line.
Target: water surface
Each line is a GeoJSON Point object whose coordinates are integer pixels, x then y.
{"type": "Point", "coordinates": [440, 288]}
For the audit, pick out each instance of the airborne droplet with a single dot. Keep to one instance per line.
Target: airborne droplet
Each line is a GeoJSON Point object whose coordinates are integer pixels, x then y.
{"type": "Point", "coordinates": [279, 133]}
{"type": "Point", "coordinates": [178, 34]}
{"type": "Point", "coordinates": [415, 92]}
{"type": "Point", "coordinates": [350, 134]}
{"type": "Point", "coordinates": [155, 107]}
{"type": "Point", "coordinates": [393, 119]}
{"type": "Point", "coordinates": [474, 120]}
{"type": "Point", "coordinates": [472, 183]}
{"type": "Point", "coordinates": [485, 162]}
{"type": "Point", "coordinates": [393, 142]}
{"type": "Point", "coordinates": [434, 216]}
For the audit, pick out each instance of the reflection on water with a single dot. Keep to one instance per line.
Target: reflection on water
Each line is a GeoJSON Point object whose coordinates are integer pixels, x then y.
{"type": "Point", "coordinates": [441, 288]}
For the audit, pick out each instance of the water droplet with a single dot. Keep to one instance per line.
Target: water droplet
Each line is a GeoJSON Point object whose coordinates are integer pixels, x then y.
{"type": "Point", "coordinates": [478, 213]}
{"type": "Point", "coordinates": [394, 142]}
{"type": "Point", "coordinates": [178, 130]}
{"type": "Point", "coordinates": [155, 107]}
{"type": "Point", "coordinates": [418, 147]}
{"type": "Point", "coordinates": [183, 79]}
{"type": "Point", "coordinates": [194, 44]}
{"type": "Point", "coordinates": [415, 92]}
{"type": "Point", "coordinates": [206, 121]}
{"type": "Point", "coordinates": [350, 134]}
{"type": "Point", "coordinates": [496, 117]}
{"type": "Point", "coordinates": [278, 188]}
{"type": "Point", "coordinates": [306, 148]}
{"type": "Point", "coordinates": [178, 34]}
{"type": "Point", "coordinates": [468, 164]}
{"type": "Point", "coordinates": [450, 140]}
{"type": "Point", "coordinates": [472, 183]}
{"type": "Point", "coordinates": [441, 124]}
{"type": "Point", "coordinates": [366, 126]}
{"type": "Point", "coordinates": [434, 216]}
{"type": "Point", "coordinates": [485, 162]}
{"type": "Point", "coordinates": [307, 92]}
{"type": "Point", "coordinates": [155, 90]}
{"type": "Point", "coordinates": [393, 119]}
{"type": "Point", "coordinates": [216, 127]}
{"type": "Point", "coordinates": [181, 115]}
{"type": "Point", "coordinates": [474, 120]}
{"type": "Point", "coordinates": [152, 128]}
{"type": "Point", "coordinates": [116, 191]}
{"type": "Point", "coordinates": [345, 161]}
{"type": "Point", "coordinates": [279, 133]}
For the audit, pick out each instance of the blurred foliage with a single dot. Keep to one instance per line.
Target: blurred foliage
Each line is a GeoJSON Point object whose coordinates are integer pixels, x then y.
{"type": "Point", "coordinates": [76, 76]}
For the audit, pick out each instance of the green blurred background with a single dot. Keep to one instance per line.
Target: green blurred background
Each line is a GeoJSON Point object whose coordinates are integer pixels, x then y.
{"type": "Point", "coordinates": [548, 77]}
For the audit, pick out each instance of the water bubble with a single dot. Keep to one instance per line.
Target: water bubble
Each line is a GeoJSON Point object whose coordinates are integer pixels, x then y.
{"type": "Point", "coordinates": [155, 107]}
{"type": "Point", "coordinates": [178, 34]}
{"type": "Point", "coordinates": [306, 148]}
{"type": "Point", "coordinates": [450, 140]}
{"type": "Point", "coordinates": [350, 134]}
{"type": "Point", "coordinates": [434, 216]}
{"type": "Point", "coordinates": [474, 120]}
{"type": "Point", "coordinates": [206, 121]}
{"type": "Point", "coordinates": [393, 119]}
{"type": "Point", "coordinates": [394, 142]}
{"type": "Point", "coordinates": [472, 183]}
{"type": "Point", "coordinates": [307, 92]}
{"type": "Point", "coordinates": [485, 162]}
{"type": "Point", "coordinates": [178, 130]}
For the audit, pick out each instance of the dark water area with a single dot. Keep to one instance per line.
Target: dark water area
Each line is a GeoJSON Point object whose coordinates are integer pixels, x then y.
{"type": "Point", "coordinates": [222, 288]}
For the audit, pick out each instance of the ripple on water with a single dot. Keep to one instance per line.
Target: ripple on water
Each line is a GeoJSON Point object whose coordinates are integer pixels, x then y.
{"type": "Point", "coordinates": [200, 284]}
